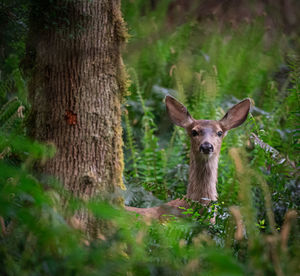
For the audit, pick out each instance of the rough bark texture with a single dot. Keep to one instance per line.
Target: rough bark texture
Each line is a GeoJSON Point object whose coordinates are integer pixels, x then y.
{"type": "Point", "coordinates": [76, 91]}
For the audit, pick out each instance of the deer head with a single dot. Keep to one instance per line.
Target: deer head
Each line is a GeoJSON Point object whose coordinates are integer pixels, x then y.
{"type": "Point", "coordinates": [206, 135]}
{"type": "Point", "coordinates": [206, 138]}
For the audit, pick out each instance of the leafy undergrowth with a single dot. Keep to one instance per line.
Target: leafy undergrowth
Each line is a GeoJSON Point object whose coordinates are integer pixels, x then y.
{"type": "Point", "coordinates": [37, 237]}
{"type": "Point", "coordinates": [257, 226]}
{"type": "Point", "coordinates": [210, 70]}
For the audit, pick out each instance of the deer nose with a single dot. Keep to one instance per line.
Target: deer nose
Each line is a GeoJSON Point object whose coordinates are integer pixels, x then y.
{"type": "Point", "coordinates": [206, 148]}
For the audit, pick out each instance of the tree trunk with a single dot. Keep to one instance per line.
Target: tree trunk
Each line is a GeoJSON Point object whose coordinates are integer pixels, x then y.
{"type": "Point", "coordinates": [76, 91]}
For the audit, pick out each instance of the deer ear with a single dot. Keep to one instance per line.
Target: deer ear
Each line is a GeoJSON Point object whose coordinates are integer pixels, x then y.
{"type": "Point", "coordinates": [236, 115]}
{"type": "Point", "coordinates": [178, 113]}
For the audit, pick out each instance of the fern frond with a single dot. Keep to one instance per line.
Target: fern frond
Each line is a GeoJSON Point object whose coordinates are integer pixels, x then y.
{"type": "Point", "coordinates": [131, 144]}
{"type": "Point", "coordinates": [275, 155]}
{"type": "Point", "coordinates": [9, 113]}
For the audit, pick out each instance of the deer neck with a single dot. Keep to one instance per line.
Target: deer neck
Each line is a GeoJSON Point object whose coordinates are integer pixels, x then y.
{"type": "Point", "coordinates": [203, 178]}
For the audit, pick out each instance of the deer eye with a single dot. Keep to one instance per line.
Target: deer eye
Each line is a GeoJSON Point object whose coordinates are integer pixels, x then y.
{"type": "Point", "coordinates": [194, 133]}
{"type": "Point", "coordinates": [219, 133]}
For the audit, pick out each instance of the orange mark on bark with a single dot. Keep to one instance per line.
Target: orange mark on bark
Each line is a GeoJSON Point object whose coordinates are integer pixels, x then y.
{"type": "Point", "coordinates": [71, 117]}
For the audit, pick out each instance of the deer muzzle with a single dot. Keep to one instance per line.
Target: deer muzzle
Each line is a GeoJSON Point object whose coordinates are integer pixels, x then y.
{"type": "Point", "coordinates": [206, 148]}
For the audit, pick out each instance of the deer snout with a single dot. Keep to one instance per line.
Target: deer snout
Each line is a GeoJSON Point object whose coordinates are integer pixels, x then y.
{"type": "Point", "coordinates": [206, 148]}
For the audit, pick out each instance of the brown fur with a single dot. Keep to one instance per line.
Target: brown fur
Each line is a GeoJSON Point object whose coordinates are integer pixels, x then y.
{"type": "Point", "coordinates": [203, 167]}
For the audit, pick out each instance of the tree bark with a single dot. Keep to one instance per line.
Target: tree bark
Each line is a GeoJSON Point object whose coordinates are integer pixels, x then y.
{"type": "Point", "coordinates": [76, 90]}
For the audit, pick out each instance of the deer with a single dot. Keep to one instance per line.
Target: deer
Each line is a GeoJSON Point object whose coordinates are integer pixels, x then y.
{"type": "Point", "coordinates": [206, 138]}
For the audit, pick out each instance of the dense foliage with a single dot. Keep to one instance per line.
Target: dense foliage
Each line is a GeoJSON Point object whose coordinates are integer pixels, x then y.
{"type": "Point", "coordinates": [208, 68]}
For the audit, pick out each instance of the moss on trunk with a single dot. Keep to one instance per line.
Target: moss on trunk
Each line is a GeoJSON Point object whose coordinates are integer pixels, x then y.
{"type": "Point", "coordinates": [78, 81]}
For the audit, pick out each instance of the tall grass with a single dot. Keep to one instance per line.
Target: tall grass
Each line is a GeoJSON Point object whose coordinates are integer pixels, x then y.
{"type": "Point", "coordinates": [209, 70]}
